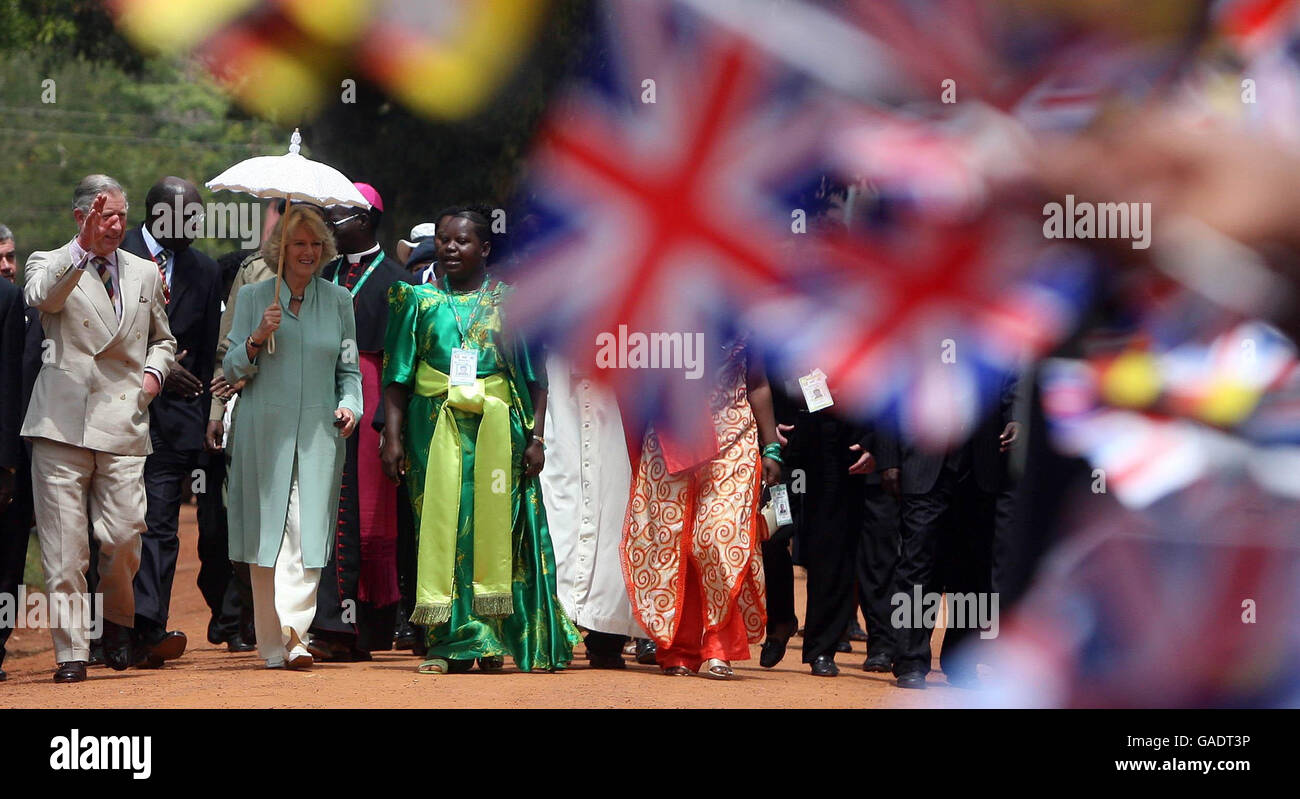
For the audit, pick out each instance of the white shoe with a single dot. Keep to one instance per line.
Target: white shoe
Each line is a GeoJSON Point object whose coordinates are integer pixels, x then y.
{"type": "Point", "coordinates": [299, 658]}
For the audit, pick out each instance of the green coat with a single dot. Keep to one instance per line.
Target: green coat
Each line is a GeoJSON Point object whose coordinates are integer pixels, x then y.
{"type": "Point", "coordinates": [287, 409]}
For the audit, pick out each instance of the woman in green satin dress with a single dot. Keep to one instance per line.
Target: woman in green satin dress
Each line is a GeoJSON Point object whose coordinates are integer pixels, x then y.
{"type": "Point", "coordinates": [470, 407]}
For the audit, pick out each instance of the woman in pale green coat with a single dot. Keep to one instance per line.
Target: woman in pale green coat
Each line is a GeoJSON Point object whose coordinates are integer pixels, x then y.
{"type": "Point", "coordinates": [287, 448]}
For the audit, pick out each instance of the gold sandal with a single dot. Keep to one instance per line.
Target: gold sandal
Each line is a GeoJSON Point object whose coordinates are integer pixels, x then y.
{"type": "Point", "coordinates": [434, 666]}
{"type": "Point", "coordinates": [716, 669]}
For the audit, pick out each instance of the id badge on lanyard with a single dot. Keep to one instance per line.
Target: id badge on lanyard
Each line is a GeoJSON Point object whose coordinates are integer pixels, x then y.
{"type": "Point", "coordinates": [781, 504]}
{"type": "Point", "coordinates": [464, 360]}
{"type": "Point", "coordinates": [815, 392]}
{"type": "Point", "coordinates": [464, 366]}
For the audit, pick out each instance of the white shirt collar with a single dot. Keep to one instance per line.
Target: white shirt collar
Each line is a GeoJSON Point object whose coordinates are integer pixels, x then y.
{"type": "Point", "coordinates": [150, 241]}
{"type": "Point", "coordinates": [353, 257]}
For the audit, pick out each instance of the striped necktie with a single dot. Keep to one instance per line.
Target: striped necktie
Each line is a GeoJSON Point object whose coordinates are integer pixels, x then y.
{"type": "Point", "coordinates": [164, 255]}
{"type": "Point", "coordinates": [101, 266]}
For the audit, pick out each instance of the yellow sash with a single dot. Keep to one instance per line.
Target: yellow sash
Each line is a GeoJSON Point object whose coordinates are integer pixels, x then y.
{"type": "Point", "coordinates": [439, 518]}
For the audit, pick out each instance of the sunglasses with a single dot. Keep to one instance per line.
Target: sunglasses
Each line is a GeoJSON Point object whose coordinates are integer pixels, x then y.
{"type": "Point", "coordinates": [340, 222]}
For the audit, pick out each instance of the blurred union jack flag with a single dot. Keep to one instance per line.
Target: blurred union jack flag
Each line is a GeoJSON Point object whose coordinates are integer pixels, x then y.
{"type": "Point", "coordinates": [920, 333]}
{"type": "Point", "coordinates": [1155, 422]}
{"type": "Point", "coordinates": [669, 192]}
{"type": "Point", "coordinates": [1187, 603]}
{"type": "Point", "coordinates": [658, 193]}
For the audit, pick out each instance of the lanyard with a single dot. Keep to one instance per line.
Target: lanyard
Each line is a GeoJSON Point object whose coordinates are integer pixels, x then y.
{"type": "Point", "coordinates": [478, 307]}
{"type": "Point", "coordinates": [378, 257]}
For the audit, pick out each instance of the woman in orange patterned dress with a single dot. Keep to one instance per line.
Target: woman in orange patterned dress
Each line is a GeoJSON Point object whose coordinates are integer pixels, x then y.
{"type": "Point", "coordinates": [690, 552]}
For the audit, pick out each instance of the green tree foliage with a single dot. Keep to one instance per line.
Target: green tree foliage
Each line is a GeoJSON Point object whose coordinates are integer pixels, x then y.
{"type": "Point", "coordinates": [139, 118]}
{"type": "Point", "coordinates": [54, 30]}
{"type": "Point", "coordinates": [421, 166]}
{"type": "Point", "coordinates": [168, 120]}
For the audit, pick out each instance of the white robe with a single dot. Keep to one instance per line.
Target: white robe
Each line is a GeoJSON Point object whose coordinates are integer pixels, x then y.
{"type": "Point", "coordinates": [585, 487]}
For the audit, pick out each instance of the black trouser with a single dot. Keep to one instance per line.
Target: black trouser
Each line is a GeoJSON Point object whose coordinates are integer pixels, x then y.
{"type": "Point", "coordinates": [966, 563]}
{"type": "Point", "coordinates": [604, 644]}
{"type": "Point", "coordinates": [1031, 518]}
{"type": "Point", "coordinates": [829, 531]}
{"type": "Point", "coordinates": [956, 518]}
{"type": "Point", "coordinates": [877, 557]}
{"type": "Point", "coordinates": [229, 598]}
{"type": "Point", "coordinates": [778, 561]}
{"type": "Point", "coordinates": [241, 583]}
{"type": "Point", "coordinates": [15, 532]}
{"type": "Point", "coordinates": [406, 562]}
{"type": "Point", "coordinates": [362, 624]}
{"type": "Point", "coordinates": [778, 571]}
{"type": "Point", "coordinates": [1006, 508]}
{"type": "Point", "coordinates": [165, 473]}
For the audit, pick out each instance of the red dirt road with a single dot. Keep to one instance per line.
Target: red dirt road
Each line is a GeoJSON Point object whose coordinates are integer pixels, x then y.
{"type": "Point", "coordinates": [208, 676]}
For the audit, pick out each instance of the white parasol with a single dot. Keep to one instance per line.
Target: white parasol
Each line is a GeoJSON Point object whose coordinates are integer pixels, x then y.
{"type": "Point", "coordinates": [289, 177]}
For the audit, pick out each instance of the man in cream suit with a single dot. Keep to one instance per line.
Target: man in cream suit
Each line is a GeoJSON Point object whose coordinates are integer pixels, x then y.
{"type": "Point", "coordinates": [108, 349]}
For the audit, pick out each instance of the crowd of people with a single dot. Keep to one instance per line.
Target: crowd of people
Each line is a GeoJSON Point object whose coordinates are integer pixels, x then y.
{"type": "Point", "coordinates": [385, 463]}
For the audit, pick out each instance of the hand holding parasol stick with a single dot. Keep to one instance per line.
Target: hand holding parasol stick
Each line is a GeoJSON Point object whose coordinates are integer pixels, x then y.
{"type": "Point", "coordinates": [290, 177]}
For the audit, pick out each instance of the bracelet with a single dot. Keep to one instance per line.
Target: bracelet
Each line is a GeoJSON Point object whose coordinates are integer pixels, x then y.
{"type": "Point", "coordinates": [257, 345]}
{"type": "Point", "coordinates": [539, 440]}
{"type": "Point", "coordinates": [773, 451]}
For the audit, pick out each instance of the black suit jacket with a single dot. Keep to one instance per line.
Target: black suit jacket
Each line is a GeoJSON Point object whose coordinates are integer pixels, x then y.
{"type": "Point", "coordinates": [32, 351]}
{"type": "Point", "coordinates": [371, 303]}
{"type": "Point", "coordinates": [919, 468]}
{"type": "Point", "coordinates": [12, 337]}
{"type": "Point", "coordinates": [194, 313]}
{"type": "Point", "coordinates": [870, 439]}
{"type": "Point", "coordinates": [371, 307]}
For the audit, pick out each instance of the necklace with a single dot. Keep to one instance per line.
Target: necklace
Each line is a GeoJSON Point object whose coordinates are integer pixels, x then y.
{"type": "Point", "coordinates": [478, 307]}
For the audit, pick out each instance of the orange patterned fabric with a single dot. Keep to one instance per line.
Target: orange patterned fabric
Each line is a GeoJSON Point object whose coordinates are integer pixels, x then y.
{"type": "Point", "coordinates": [708, 514]}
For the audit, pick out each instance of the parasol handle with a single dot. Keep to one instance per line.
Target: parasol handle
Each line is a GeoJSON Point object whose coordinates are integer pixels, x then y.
{"type": "Point", "coordinates": [279, 267]}
{"type": "Point", "coordinates": [270, 340]}
{"type": "Point", "coordinates": [279, 276]}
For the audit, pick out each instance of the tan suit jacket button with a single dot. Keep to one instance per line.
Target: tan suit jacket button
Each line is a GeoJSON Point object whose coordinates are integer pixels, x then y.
{"type": "Point", "coordinates": [85, 323]}
{"type": "Point", "coordinates": [137, 335]}
{"type": "Point", "coordinates": [123, 397]}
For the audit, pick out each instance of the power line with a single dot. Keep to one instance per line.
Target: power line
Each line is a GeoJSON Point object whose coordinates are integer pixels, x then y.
{"type": "Point", "coordinates": [251, 148]}
{"type": "Point", "coordinates": [51, 109]}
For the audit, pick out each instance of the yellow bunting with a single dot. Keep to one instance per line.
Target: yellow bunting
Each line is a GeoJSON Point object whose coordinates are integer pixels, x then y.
{"type": "Point", "coordinates": [334, 22]}
{"type": "Point", "coordinates": [443, 60]}
{"type": "Point", "coordinates": [1228, 403]}
{"type": "Point", "coordinates": [1131, 381]}
{"type": "Point", "coordinates": [275, 85]}
{"type": "Point", "coordinates": [170, 26]}
{"type": "Point", "coordinates": [456, 79]}
{"type": "Point", "coordinates": [1149, 18]}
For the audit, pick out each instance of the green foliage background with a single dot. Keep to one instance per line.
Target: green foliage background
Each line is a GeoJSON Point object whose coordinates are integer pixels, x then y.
{"type": "Point", "coordinates": [139, 118]}
{"type": "Point", "coordinates": [167, 120]}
